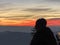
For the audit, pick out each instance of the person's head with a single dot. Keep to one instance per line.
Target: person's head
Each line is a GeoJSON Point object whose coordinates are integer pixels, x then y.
{"type": "Point", "coordinates": [40, 23]}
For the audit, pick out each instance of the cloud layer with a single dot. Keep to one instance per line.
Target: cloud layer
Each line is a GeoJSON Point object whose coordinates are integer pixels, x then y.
{"type": "Point", "coordinates": [53, 0]}
{"type": "Point", "coordinates": [38, 9]}
{"type": "Point", "coordinates": [28, 9]}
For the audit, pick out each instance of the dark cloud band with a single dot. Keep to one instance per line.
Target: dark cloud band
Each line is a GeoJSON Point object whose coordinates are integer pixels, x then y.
{"type": "Point", "coordinates": [21, 17]}
{"type": "Point", "coordinates": [38, 9]}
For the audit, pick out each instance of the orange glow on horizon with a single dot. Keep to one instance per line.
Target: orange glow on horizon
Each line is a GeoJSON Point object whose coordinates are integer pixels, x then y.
{"type": "Point", "coordinates": [32, 23]}
{"type": "Point", "coordinates": [53, 22]}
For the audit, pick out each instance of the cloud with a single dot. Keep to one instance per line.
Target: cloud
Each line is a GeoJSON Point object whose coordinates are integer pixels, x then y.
{"type": "Point", "coordinates": [21, 17]}
{"type": "Point", "coordinates": [38, 9]}
{"type": "Point", "coordinates": [24, 16]}
{"type": "Point", "coordinates": [55, 19]}
{"type": "Point", "coordinates": [5, 7]}
{"type": "Point", "coordinates": [13, 18]}
{"type": "Point", "coordinates": [5, 4]}
{"type": "Point", "coordinates": [8, 9]}
{"type": "Point", "coordinates": [53, 0]}
{"type": "Point", "coordinates": [16, 16]}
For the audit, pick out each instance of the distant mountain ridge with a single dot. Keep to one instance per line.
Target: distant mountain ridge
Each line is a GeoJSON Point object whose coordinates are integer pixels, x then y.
{"type": "Point", "coordinates": [26, 29]}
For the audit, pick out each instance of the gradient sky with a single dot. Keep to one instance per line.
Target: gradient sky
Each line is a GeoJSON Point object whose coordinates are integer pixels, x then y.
{"type": "Point", "coordinates": [26, 11]}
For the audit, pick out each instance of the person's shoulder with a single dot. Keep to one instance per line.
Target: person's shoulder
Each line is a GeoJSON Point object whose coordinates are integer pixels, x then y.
{"type": "Point", "coordinates": [48, 29]}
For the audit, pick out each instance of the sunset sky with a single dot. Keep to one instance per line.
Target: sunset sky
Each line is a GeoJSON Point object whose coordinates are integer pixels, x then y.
{"type": "Point", "coordinates": [26, 12]}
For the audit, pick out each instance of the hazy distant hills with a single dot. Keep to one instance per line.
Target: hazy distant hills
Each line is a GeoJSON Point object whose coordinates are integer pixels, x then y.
{"type": "Point", "coordinates": [12, 35]}
{"type": "Point", "coordinates": [26, 29]}
{"type": "Point", "coordinates": [16, 28]}
{"type": "Point", "coordinates": [15, 38]}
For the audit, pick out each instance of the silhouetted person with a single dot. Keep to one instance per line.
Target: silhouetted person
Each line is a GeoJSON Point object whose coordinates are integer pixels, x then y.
{"type": "Point", "coordinates": [43, 34]}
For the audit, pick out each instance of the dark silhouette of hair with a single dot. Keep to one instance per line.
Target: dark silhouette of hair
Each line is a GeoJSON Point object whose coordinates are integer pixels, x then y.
{"type": "Point", "coordinates": [40, 23]}
{"type": "Point", "coordinates": [43, 34]}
